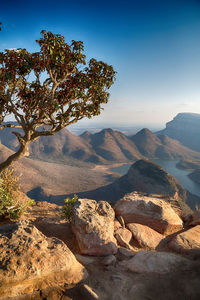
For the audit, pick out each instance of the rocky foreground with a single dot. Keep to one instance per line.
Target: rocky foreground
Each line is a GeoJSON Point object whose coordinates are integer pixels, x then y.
{"type": "Point", "coordinates": [140, 248]}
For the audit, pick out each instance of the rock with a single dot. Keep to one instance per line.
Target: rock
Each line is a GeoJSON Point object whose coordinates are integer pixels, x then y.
{"type": "Point", "coordinates": [125, 234]}
{"type": "Point", "coordinates": [195, 218]}
{"type": "Point", "coordinates": [116, 276]}
{"type": "Point", "coordinates": [121, 221]}
{"type": "Point", "coordinates": [30, 261]}
{"type": "Point", "coordinates": [121, 241]}
{"type": "Point", "coordinates": [145, 236]}
{"type": "Point", "coordinates": [93, 226]}
{"type": "Point", "coordinates": [117, 225]}
{"type": "Point", "coordinates": [109, 260]}
{"type": "Point", "coordinates": [153, 212]}
{"type": "Point", "coordinates": [126, 252]}
{"type": "Point", "coordinates": [155, 262]}
{"type": "Point", "coordinates": [187, 242]}
{"type": "Point", "coordinates": [86, 260]}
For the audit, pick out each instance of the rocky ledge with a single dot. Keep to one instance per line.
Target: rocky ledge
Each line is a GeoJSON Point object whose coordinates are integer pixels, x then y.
{"type": "Point", "coordinates": [30, 261]}
{"type": "Point", "coordinates": [123, 254]}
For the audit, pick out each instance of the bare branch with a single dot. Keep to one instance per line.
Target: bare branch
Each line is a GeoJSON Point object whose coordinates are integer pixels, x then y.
{"type": "Point", "coordinates": [10, 126]}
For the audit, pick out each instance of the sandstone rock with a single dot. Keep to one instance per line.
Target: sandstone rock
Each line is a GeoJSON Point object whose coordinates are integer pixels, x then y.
{"type": "Point", "coordinates": [155, 262]}
{"type": "Point", "coordinates": [153, 212]}
{"type": "Point", "coordinates": [86, 260]}
{"type": "Point", "coordinates": [117, 225]}
{"type": "Point", "coordinates": [121, 221]}
{"type": "Point", "coordinates": [30, 261]}
{"type": "Point", "coordinates": [187, 241]}
{"type": "Point", "coordinates": [195, 218]}
{"type": "Point", "coordinates": [121, 241]}
{"type": "Point", "coordinates": [93, 226]}
{"type": "Point", "coordinates": [125, 234]}
{"type": "Point", "coordinates": [145, 236]}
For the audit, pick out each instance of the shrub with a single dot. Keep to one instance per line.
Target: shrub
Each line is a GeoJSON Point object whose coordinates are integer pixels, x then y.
{"type": "Point", "coordinates": [68, 206]}
{"type": "Point", "coordinates": [11, 206]}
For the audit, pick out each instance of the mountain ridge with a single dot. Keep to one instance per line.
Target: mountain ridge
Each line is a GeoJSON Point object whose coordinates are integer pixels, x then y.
{"type": "Point", "coordinates": [106, 146]}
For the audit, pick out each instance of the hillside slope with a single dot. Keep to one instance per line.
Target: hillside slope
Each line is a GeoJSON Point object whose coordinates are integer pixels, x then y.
{"type": "Point", "coordinates": [161, 146]}
{"type": "Point", "coordinates": [52, 179]}
{"type": "Point", "coordinates": [113, 145]}
{"type": "Point", "coordinates": [147, 177]}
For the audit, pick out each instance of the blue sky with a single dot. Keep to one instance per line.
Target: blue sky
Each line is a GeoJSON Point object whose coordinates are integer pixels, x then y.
{"type": "Point", "coordinates": [153, 45]}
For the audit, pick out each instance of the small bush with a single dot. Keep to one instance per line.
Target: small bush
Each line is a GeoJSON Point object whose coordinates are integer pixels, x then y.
{"type": "Point", "coordinates": [67, 208]}
{"type": "Point", "coordinates": [10, 205]}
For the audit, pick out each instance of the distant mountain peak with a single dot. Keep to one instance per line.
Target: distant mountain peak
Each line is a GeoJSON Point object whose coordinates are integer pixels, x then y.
{"type": "Point", "coordinates": [145, 131]}
{"type": "Point", "coordinates": [109, 130]}
{"type": "Point", "coordinates": [86, 134]}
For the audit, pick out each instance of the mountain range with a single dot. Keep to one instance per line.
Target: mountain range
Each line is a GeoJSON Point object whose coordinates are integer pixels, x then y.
{"type": "Point", "coordinates": [105, 147]}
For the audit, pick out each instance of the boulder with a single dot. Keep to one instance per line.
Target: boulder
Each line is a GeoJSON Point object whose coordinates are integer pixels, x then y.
{"type": "Point", "coordinates": [153, 212]}
{"type": "Point", "coordinates": [155, 262]}
{"type": "Point", "coordinates": [187, 242]}
{"type": "Point", "coordinates": [30, 261]}
{"type": "Point", "coordinates": [145, 236]}
{"type": "Point", "coordinates": [93, 226]}
{"type": "Point", "coordinates": [125, 234]}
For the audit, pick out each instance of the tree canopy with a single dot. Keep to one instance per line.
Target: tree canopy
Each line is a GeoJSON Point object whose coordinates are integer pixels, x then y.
{"type": "Point", "coordinates": [48, 90]}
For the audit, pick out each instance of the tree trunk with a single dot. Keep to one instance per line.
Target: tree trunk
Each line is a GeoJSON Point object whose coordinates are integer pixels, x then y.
{"type": "Point", "coordinates": [16, 156]}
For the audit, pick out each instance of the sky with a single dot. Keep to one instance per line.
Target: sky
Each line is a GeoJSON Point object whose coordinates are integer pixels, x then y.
{"type": "Point", "coordinates": [154, 46]}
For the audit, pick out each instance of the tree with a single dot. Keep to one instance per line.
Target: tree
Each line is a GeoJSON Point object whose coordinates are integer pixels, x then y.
{"type": "Point", "coordinates": [63, 89]}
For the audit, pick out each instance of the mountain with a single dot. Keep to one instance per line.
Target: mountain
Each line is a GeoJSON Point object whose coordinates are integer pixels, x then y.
{"type": "Point", "coordinates": [146, 177]}
{"type": "Point", "coordinates": [113, 145]}
{"type": "Point", "coordinates": [57, 148]}
{"type": "Point", "coordinates": [4, 152]}
{"type": "Point", "coordinates": [105, 147]}
{"type": "Point", "coordinates": [185, 127]}
{"type": "Point", "coordinates": [161, 146]}
{"type": "Point", "coordinates": [100, 148]}
{"type": "Point", "coordinates": [195, 176]}
{"type": "Point", "coordinates": [64, 145]}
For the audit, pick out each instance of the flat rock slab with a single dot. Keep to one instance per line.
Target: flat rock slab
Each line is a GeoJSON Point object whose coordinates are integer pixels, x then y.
{"type": "Point", "coordinates": [30, 261]}
{"type": "Point", "coordinates": [155, 262]}
{"type": "Point", "coordinates": [93, 226]}
{"type": "Point", "coordinates": [153, 212]}
{"type": "Point", "coordinates": [145, 236]}
{"type": "Point", "coordinates": [187, 242]}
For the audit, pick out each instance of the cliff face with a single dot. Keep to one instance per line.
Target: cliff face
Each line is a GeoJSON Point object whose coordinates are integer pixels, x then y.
{"type": "Point", "coordinates": [185, 128]}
